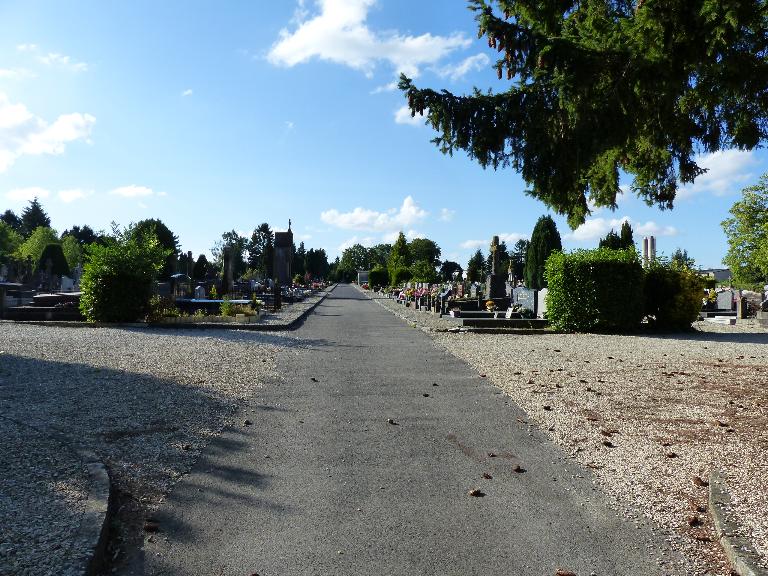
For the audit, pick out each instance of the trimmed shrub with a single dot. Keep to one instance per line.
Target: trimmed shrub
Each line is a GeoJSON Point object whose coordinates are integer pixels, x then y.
{"type": "Point", "coordinates": [118, 278]}
{"type": "Point", "coordinates": [672, 297]}
{"type": "Point", "coordinates": [378, 276]}
{"type": "Point", "coordinates": [55, 254]}
{"type": "Point", "coordinates": [401, 276]}
{"type": "Point", "coordinates": [594, 290]}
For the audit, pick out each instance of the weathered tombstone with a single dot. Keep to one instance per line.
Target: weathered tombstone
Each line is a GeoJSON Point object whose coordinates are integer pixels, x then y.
{"type": "Point", "coordinates": [741, 308]}
{"type": "Point", "coordinates": [494, 282]}
{"type": "Point", "coordinates": [473, 290]}
{"type": "Point", "coordinates": [460, 290]}
{"type": "Point", "coordinates": [725, 300]}
{"type": "Point", "coordinates": [284, 256]}
{"type": "Point", "coordinates": [509, 287]}
{"type": "Point", "coordinates": [67, 284]}
{"type": "Point", "coordinates": [541, 302]}
{"type": "Point", "coordinates": [199, 292]}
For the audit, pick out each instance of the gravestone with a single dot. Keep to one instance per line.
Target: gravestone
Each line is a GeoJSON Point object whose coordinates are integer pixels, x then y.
{"type": "Point", "coordinates": [725, 300]}
{"type": "Point", "coordinates": [525, 297]}
{"type": "Point", "coordinates": [284, 256]}
{"type": "Point", "coordinates": [541, 302]}
{"type": "Point", "coordinates": [494, 282]}
{"type": "Point", "coordinates": [509, 287]}
{"type": "Point", "coordinates": [460, 290]}
{"type": "Point", "coordinates": [473, 290]}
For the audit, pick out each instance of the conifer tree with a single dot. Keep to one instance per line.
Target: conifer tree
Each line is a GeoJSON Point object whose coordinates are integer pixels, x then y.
{"type": "Point", "coordinates": [545, 239]}
{"type": "Point", "coordinates": [602, 87]}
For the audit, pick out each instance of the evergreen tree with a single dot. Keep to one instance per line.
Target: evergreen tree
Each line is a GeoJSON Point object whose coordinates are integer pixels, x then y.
{"type": "Point", "coordinates": [518, 256]}
{"type": "Point", "coordinates": [33, 217]}
{"type": "Point", "coordinates": [33, 247]}
{"type": "Point", "coordinates": [317, 263]}
{"type": "Point", "coordinates": [55, 254]}
{"type": "Point", "coordinates": [201, 268]}
{"type": "Point", "coordinates": [502, 255]}
{"type": "Point", "coordinates": [424, 249]}
{"type": "Point", "coordinates": [379, 254]}
{"type": "Point", "coordinates": [681, 261]}
{"type": "Point", "coordinates": [545, 239]}
{"type": "Point", "coordinates": [606, 87]}
{"type": "Point", "coordinates": [261, 250]}
{"type": "Point", "coordinates": [299, 254]}
{"type": "Point", "coordinates": [475, 267]}
{"type": "Point", "coordinates": [627, 239]}
{"type": "Point", "coordinates": [84, 235]}
{"type": "Point", "coordinates": [612, 241]}
{"type": "Point", "coordinates": [10, 218]}
{"type": "Point", "coordinates": [399, 256]}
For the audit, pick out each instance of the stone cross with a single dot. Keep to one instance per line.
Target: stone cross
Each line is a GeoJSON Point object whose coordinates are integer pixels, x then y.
{"type": "Point", "coordinates": [494, 254]}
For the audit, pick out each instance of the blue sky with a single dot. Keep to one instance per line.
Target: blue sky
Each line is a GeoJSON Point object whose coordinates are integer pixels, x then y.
{"type": "Point", "coordinates": [219, 117]}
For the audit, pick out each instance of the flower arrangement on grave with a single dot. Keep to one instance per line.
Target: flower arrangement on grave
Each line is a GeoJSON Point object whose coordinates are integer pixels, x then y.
{"type": "Point", "coordinates": [490, 305]}
{"type": "Point", "coordinates": [409, 293]}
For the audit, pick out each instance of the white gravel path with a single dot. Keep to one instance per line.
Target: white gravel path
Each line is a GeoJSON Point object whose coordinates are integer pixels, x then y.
{"type": "Point", "coordinates": [647, 414]}
{"type": "Point", "coordinates": [145, 401]}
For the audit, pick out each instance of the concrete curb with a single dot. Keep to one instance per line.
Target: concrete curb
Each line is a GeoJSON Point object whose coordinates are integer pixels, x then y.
{"type": "Point", "coordinates": [738, 549]}
{"type": "Point", "coordinates": [94, 524]}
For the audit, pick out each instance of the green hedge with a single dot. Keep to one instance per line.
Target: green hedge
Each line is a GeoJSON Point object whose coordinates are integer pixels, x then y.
{"type": "Point", "coordinates": [401, 276]}
{"type": "Point", "coordinates": [672, 297]}
{"type": "Point", "coordinates": [594, 290]}
{"type": "Point", "coordinates": [378, 276]}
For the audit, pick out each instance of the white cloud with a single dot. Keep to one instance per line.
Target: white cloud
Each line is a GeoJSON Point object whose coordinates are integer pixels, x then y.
{"type": "Point", "coordinates": [446, 215]}
{"type": "Point", "coordinates": [650, 228]}
{"type": "Point", "coordinates": [132, 191]}
{"type": "Point", "coordinates": [15, 73]}
{"type": "Point", "coordinates": [728, 172]}
{"type": "Point", "coordinates": [403, 116]}
{"type": "Point", "coordinates": [408, 214]}
{"type": "Point", "coordinates": [26, 194]}
{"type": "Point", "coordinates": [23, 133]}
{"type": "Point", "coordinates": [187, 92]}
{"type": "Point", "coordinates": [458, 71]}
{"type": "Point", "coordinates": [596, 228]}
{"type": "Point", "coordinates": [509, 237]}
{"type": "Point", "coordinates": [68, 196]}
{"type": "Point", "coordinates": [26, 47]}
{"type": "Point", "coordinates": [62, 61]}
{"type": "Point", "coordinates": [338, 33]}
{"type": "Point", "coordinates": [349, 242]}
{"type": "Point", "coordinates": [474, 244]}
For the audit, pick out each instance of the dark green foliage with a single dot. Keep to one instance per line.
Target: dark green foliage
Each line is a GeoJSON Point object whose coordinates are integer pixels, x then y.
{"type": "Point", "coordinates": [237, 245]}
{"type": "Point", "coordinates": [518, 256]}
{"type": "Point", "coordinates": [545, 239]}
{"type": "Point", "coordinates": [168, 240]}
{"type": "Point", "coordinates": [475, 267]}
{"type": "Point", "coordinates": [611, 240]}
{"type": "Point", "coordinates": [202, 268]}
{"type": "Point", "coordinates": [401, 276]}
{"type": "Point", "coordinates": [423, 271]}
{"type": "Point", "coordinates": [298, 267]}
{"type": "Point", "coordinates": [59, 264]}
{"type": "Point", "coordinates": [681, 261]}
{"type": "Point", "coordinates": [503, 257]}
{"type": "Point", "coordinates": [595, 290]}
{"type": "Point", "coordinates": [424, 249]}
{"type": "Point", "coordinates": [317, 263]}
{"type": "Point", "coordinates": [261, 250]}
{"type": "Point", "coordinates": [627, 238]}
{"type": "Point", "coordinates": [602, 87]}
{"type": "Point", "coordinates": [672, 296]}
{"type": "Point", "coordinates": [378, 276]}
{"type": "Point", "coordinates": [10, 218]}
{"type": "Point", "coordinates": [32, 217]}
{"type": "Point", "coordinates": [10, 240]}
{"type": "Point", "coordinates": [379, 254]}
{"type": "Point", "coordinates": [84, 235]}
{"type": "Point", "coordinates": [447, 270]}
{"type": "Point", "coordinates": [118, 277]}
{"type": "Point", "coordinates": [399, 256]}
{"type": "Point", "coordinates": [355, 258]}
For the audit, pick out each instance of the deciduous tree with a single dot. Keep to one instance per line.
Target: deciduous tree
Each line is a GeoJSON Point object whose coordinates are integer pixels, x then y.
{"type": "Point", "coordinates": [747, 234]}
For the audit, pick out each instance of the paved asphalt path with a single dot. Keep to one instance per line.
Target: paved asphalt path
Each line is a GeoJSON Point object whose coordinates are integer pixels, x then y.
{"type": "Point", "coordinates": [323, 484]}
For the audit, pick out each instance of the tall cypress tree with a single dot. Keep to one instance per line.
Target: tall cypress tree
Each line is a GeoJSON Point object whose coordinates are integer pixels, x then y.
{"type": "Point", "coordinates": [545, 239]}
{"type": "Point", "coordinates": [627, 241]}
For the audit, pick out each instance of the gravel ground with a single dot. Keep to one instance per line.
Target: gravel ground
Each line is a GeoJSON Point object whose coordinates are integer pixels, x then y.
{"type": "Point", "coordinates": [145, 401]}
{"type": "Point", "coordinates": [650, 415]}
